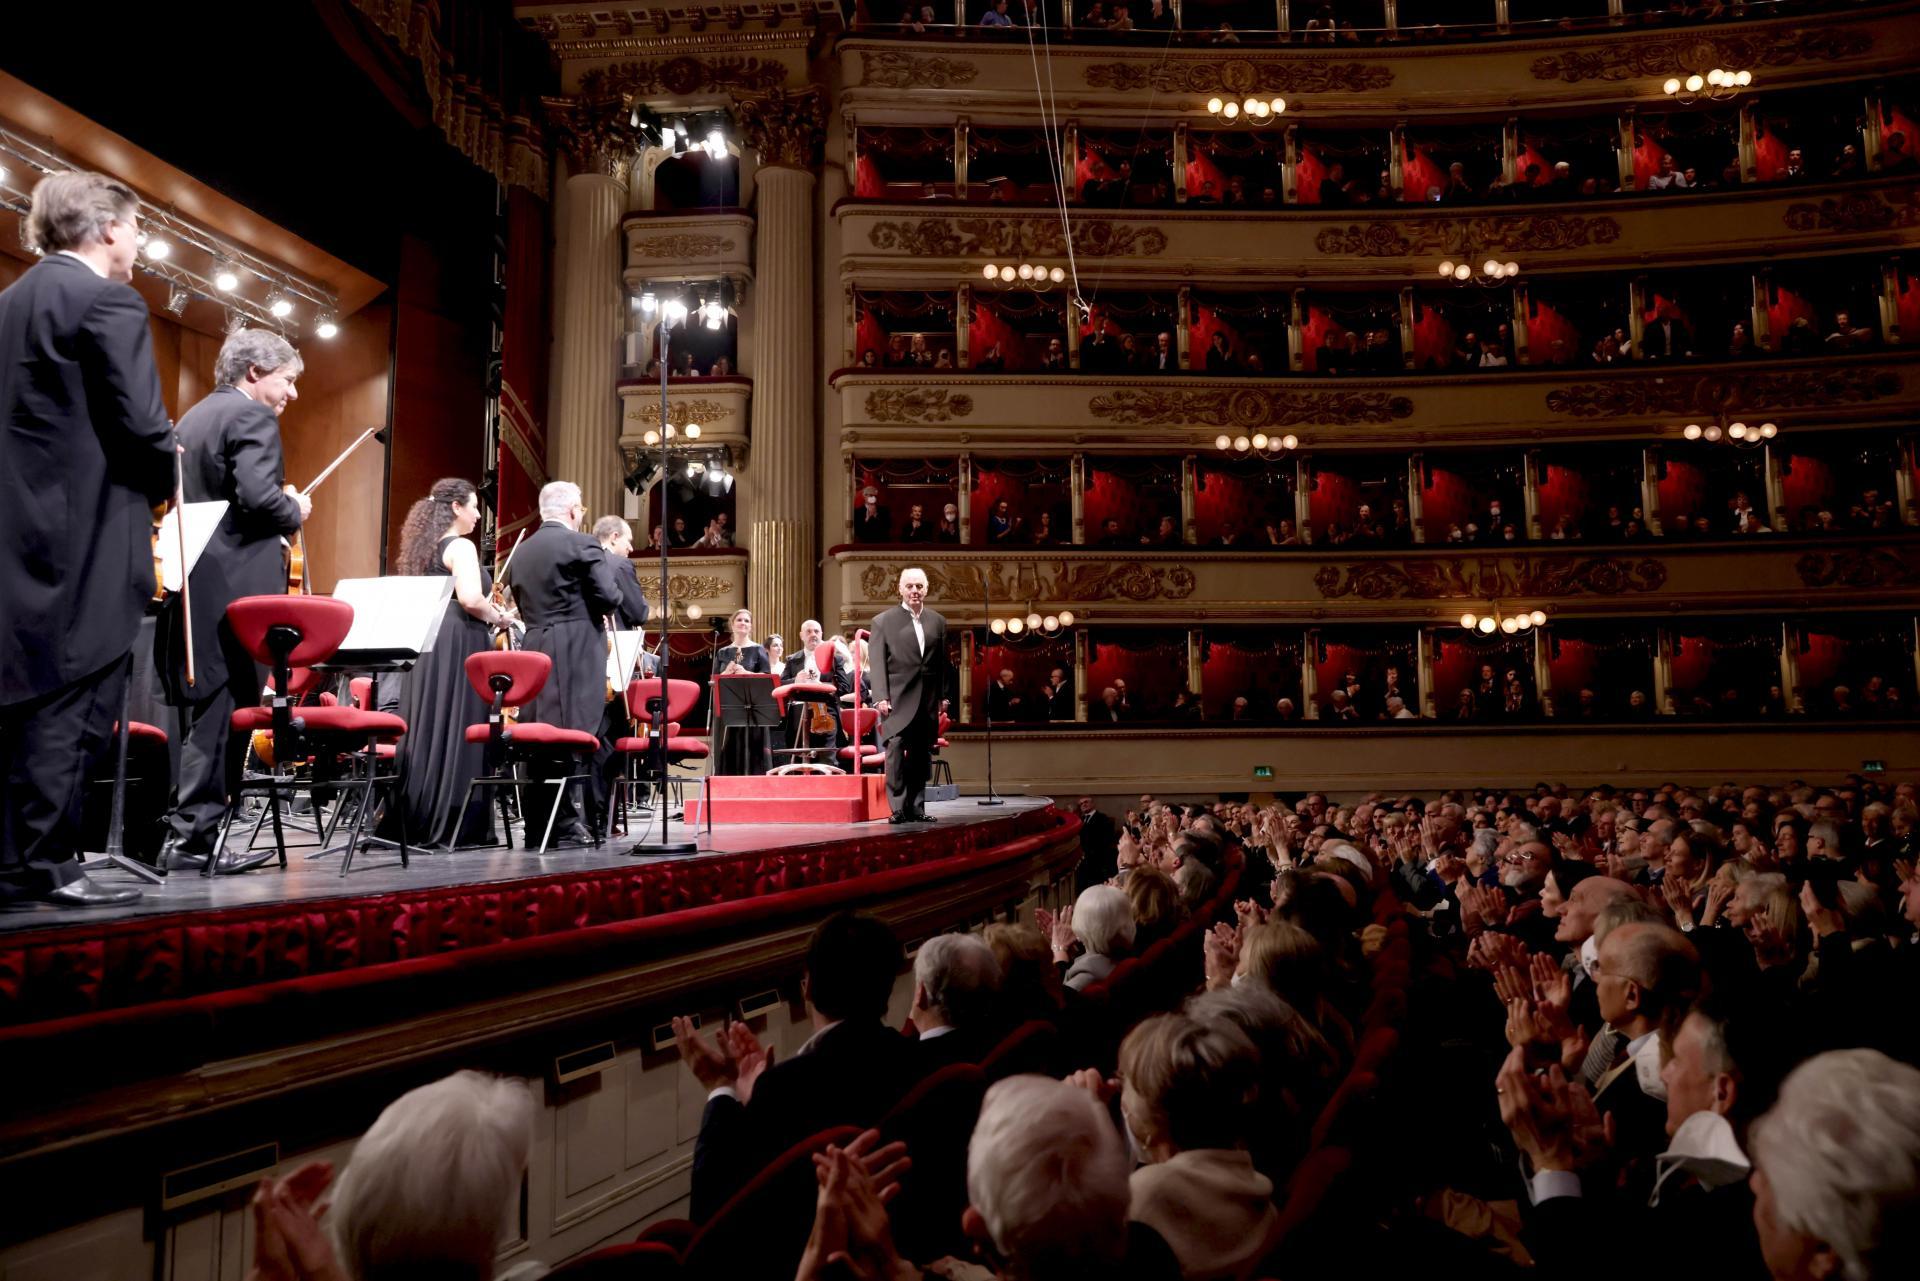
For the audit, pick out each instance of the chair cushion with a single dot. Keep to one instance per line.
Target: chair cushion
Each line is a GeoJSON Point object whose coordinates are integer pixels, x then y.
{"type": "Point", "coordinates": [527, 670]}
{"type": "Point", "coordinates": [682, 696]}
{"type": "Point", "coordinates": [676, 746]}
{"type": "Point", "coordinates": [322, 622]}
{"type": "Point", "coordinates": [871, 758]}
{"type": "Point", "coordinates": [323, 720]}
{"type": "Point", "coordinates": [537, 734]}
{"type": "Point", "coordinates": [140, 731]}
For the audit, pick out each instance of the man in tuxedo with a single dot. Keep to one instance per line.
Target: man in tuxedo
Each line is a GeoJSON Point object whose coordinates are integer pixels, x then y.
{"type": "Point", "coordinates": [918, 528]}
{"type": "Point", "coordinates": [1060, 695]}
{"type": "Point", "coordinates": [230, 452]}
{"type": "Point", "coordinates": [565, 585]}
{"type": "Point", "coordinates": [615, 538]}
{"type": "Point", "coordinates": [849, 1072]}
{"type": "Point", "coordinates": [84, 454]}
{"type": "Point", "coordinates": [1004, 700]}
{"type": "Point", "coordinates": [909, 668]}
{"type": "Point", "coordinates": [1163, 359]}
{"type": "Point", "coordinates": [872, 523]}
{"type": "Point", "coordinates": [956, 983]}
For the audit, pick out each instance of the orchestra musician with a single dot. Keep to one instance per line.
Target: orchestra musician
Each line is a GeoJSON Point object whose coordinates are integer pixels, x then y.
{"type": "Point", "coordinates": [909, 671]}
{"type": "Point", "coordinates": [615, 538]}
{"type": "Point", "coordinates": [85, 454]}
{"type": "Point", "coordinates": [746, 750]}
{"type": "Point", "coordinates": [566, 588]}
{"type": "Point", "coordinates": [230, 445]}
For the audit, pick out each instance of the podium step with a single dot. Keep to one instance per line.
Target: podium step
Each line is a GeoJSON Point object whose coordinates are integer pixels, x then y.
{"type": "Point", "coordinates": [791, 798]}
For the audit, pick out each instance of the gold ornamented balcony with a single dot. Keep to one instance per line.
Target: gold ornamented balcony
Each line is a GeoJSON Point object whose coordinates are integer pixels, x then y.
{"type": "Point", "coordinates": [928, 246]}
{"type": "Point", "coordinates": [927, 80]}
{"type": "Point", "coordinates": [719, 405]}
{"type": "Point", "coordinates": [688, 246]}
{"type": "Point", "coordinates": [715, 581]}
{"type": "Point", "coordinates": [1406, 585]}
{"type": "Point", "coordinates": [903, 412]}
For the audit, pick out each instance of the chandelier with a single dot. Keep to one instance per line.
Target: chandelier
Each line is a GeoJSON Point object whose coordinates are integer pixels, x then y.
{"type": "Point", "coordinates": [1744, 435]}
{"type": "Point", "coordinates": [1258, 443]}
{"type": "Point", "coordinates": [1491, 271]}
{"type": "Point", "coordinates": [1032, 622]}
{"type": "Point", "coordinates": [1030, 274]}
{"type": "Point", "coordinates": [1494, 621]}
{"type": "Point", "coordinates": [1716, 85]}
{"type": "Point", "coordinates": [1253, 111]}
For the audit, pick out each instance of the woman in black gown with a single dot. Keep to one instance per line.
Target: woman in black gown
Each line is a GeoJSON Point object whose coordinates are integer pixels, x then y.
{"type": "Point", "coordinates": [746, 749]}
{"type": "Point", "coordinates": [438, 704]}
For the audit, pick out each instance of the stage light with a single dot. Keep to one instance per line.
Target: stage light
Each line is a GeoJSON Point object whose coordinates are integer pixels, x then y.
{"type": "Point", "coordinates": [695, 467]}
{"type": "Point", "coordinates": [1691, 431]}
{"type": "Point", "coordinates": [713, 319]}
{"type": "Point", "coordinates": [998, 626]}
{"type": "Point", "coordinates": [1469, 621]}
{"type": "Point", "coordinates": [326, 326]}
{"type": "Point", "coordinates": [716, 143]}
{"type": "Point", "coordinates": [693, 431]}
{"type": "Point", "coordinates": [280, 306]}
{"type": "Point", "coordinates": [1488, 626]}
{"type": "Point", "coordinates": [157, 250]}
{"type": "Point", "coordinates": [648, 303]}
{"type": "Point", "coordinates": [675, 310]}
{"type": "Point", "coordinates": [177, 298]}
{"type": "Point", "coordinates": [1057, 275]}
{"type": "Point", "coordinates": [226, 278]}
{"type": "Point", "coordinates": [1539, 617]}
{"type": "Point", "coordinates": [1066, 618]}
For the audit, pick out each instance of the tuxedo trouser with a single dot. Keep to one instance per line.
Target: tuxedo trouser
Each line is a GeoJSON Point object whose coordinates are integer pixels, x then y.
{"type": "Point", "coordinates": [212, 756]}
{"type": "Point", "coordinates": [909, 761]}
{"type": "Point", "coordinates": [49, 749]}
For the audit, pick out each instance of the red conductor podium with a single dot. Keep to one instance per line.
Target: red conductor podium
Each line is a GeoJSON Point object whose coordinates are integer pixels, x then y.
{"type": "Point", "coordinates": [791, 798]}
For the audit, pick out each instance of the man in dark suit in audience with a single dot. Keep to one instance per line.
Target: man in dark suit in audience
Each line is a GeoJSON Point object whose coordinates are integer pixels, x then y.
{"type": "Point", "coordinates": [1060, 695]}
{"type": "Point", "coordinates": [84, 454]}
{"type": "Point", "coordinates": [230, 451]}
{"type": "Point", "coordinates": [872, 523]}
{"type": "Point", "coordinates": [849, 1072]}
{"type": "Point", "coordinates": [956, 985]}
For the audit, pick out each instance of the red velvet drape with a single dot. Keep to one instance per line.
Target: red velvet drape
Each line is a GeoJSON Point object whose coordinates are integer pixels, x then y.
{"type": "Point", "coordinates": [1564, 491]}
{"type": "Point", "coordinates": [1545, 323]}
{"type": "Point", "coordinates": [1031, 663]}
{"type": "Point", "coordinates": [1433, 337]}
{"type": "Point", "coordinates": [1784, 306]}
{"type": "Point", "coordinates": [1646, 158]}
{"type": "Point", "coordinates": [866, 177]}
{"type": "Point", "coordinates": [1153, 677]}
{"type": "Point", "coordinates": [1770, 153]}
{"type": "Point", "coordinates": [1248, 503]}
{"type": "Point", "coordinates": [1308, 174]}
{"type": "Point", "coordinates": [1335, 497]}
{"type": "Point", "coordinates": [1806, 481]}
{"type": "Point", "coordinates": [1201, 170]}
{"type": "Point", "coordinates": [1318, 326]}
{"type": "Point", "coordinates": [1683, 491]}
{"type": "Point", "coordinates": [1419, 173]}
{"type": "Point", "coordinates": [988, 328]}
{"type": "Point", "coordinates": [1456, 664]}
{"type": "Point", "coordinates": [523, 362]}
{"type": "Point", "coordinates": [1206, 323]}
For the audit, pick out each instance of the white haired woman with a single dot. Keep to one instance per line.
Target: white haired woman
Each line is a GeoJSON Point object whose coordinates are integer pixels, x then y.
{"type": "Point", "coordinates": [1101, 921]}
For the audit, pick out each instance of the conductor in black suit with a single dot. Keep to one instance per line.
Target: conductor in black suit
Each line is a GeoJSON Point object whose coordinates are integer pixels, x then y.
{"type": "Point", "coordinates": [565, 585]}
{"type": "Point", "coordinates": [909, 648]}
{"type": "Point", "coordinates": [84, 455]}
{"type": "Point", "coordinates": [615, 537]}
{"type": "Point", "coordinates": [230, 445]}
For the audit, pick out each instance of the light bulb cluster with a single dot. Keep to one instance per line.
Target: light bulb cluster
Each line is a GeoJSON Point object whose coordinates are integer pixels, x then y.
{"type": "Point", "coordinates": [1030, 274]}
{"type": "Point", "coordinates": [1251, 111]}
{"type": "Point", "coordinates": [1258, 442]}
{"type": "Point", "coordinates": [690, 432]}
{"type": "Point", "coordinates": [1736, 433]}
{"type": "Point", "coordinates": [706, 132]}
{"type": "Point", "coordinates": [708, 308]}
{"type": "Point", "coordinates": [1491, 272]}
{"type": "Point", "coordinates": [1494, 621]}
{"type": "Point", "coordinates": [1032, 622]}
{"type": "Point", "coordinates": [1716, 85]}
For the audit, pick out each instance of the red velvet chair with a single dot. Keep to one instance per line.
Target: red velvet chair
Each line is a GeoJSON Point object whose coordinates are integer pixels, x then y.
{"type": "Point", "coordinates": [800, 745]}
{"type": "Point", "coordinates": [762, 1230]}
{"type": "Point", "coordinates": [644, 704]}
{"type": "Point", "coordinates": [285, 633]}
{"type": "Point", "coordinates": [512, 678]}
{"type": "Point", "coordinates": [858, 722]}
{"type": "Point", "coordinates": [938, 770]}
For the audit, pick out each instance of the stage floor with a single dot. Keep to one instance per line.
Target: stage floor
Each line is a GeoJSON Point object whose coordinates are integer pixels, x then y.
{"type": "Point", "coordinates": [378, 871]}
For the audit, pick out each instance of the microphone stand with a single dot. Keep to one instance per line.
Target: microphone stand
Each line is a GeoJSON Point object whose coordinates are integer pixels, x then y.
{"type": "Point", "coordinates": [657, 706]}
{"type": "Point", "coordinates": [986, 587]}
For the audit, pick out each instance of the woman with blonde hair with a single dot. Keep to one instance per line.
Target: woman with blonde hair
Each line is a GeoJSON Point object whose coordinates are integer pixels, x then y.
{"type": "Point", "coordinates": [1156, 905]}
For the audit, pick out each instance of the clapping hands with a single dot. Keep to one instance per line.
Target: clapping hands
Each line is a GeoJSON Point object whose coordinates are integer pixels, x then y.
{"type": "Point", "coordinates": [1221, 947]}
{"type": "Point", "coordinates": [1059, 930]}
{"type": "Point", "coordinates": [1551, 1119]}
{"type": "Point", "coordinates": [288, 1241]}
{"type": "Point", "coordinates": [735, 1057]}
{"type": "Point", "coordinates": [851, 1233]}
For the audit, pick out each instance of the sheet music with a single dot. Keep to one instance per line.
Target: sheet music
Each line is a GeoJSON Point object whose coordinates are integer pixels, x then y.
{"type": "Point", "coordinates": [398, 613]}
{"type": "Point", "coordinates": [624, 657]}
{"type": "Point", "coordinates": [202, 520]}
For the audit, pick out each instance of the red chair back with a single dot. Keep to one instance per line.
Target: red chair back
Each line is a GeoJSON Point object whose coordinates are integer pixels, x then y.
{"type": "Point", "coordinates": [526, 672]}
{"type": "Point", "coordinates": [858, 722]}
{"type": "Point", "coordinates": [321, 621]}
{"type": "Point", "coordinates": [681, 697]}
{"type": "Point", "coordinates": [361, 687]}
{"type": "Point", "coordinates": [762, 1230]}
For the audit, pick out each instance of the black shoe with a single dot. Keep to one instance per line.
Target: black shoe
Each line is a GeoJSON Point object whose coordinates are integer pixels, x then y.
{"type": "Point", "coordinates": [172, 857]}
{"type": "Point", "coordinates": [231, 863]}
{"type": "Point", "coordinates": [565, 836]}
{"type": "Point", "coordinates": [86, 892]}
{"type": "Point", "coordinates": [898, 819]}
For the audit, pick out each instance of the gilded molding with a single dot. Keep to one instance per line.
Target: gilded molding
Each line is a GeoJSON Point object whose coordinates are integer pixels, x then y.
{"type": "Point", "coordinates": [1857, 211]}
{"type": "Point", "coordinates": [682, 245]}
{"type": "Point", "coordinates": [1000, 237]}
{"type": "Point", "coordinates": [1247, 407]}
{"type": "Point", "coordinates": [1238, 76]}
{"type": "Point", "coordinates": [1616, 60]}
{"type": "Point", "coordinates": [683, 76]}
{"type": "Point", "coordinates": [681, 412]}
{"type": "Point", "coordinates": [891, 69]}
{"type": "Point", "coordinates": [1077, 582]}
{"type": "Point", "coordinates": [1491, 576]}
{"type": "Point", "coordinates": [686, 586]}
{"type": "Point", "coordinates": [1652, 396]}
{"type": "Point", "coordinates": [917, 405]}
{"type": "Point", "coordinates": [786, 129]}
{"type": "Point", "coordinates": [1399, 238]}
{"type": "Point", "coordinates": [1855, 567]}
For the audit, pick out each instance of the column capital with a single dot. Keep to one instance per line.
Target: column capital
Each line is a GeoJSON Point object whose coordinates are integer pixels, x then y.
{"type": "Point", "coordinates": [594, 134]}
{"type": "Point", "coordinates": [786, 129]}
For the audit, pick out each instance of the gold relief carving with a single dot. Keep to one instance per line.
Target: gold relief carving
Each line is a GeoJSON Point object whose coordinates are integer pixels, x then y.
{"type": "Point", "coordinates": [1240, 76]}
{"type": "Point", "coordinates": [686, 586]}
{"type": "Point", "coordinates": [683, 76]}
{"type": "Point", "coordinates": [1541, 233]}
{"type": "Point", "coordinates": [1077, 582]}
{"type": "Point", "coordinates": [1855, 567]}
{"type": "Point", "coordinates": [1857, 211]}
{"type": "Point", "coordinates": [681, 412]}
{"type": "Point", "coordinates": [1640, 59]}
{"type": "Point", "coordinates": [1248, 407]}
{"type": "Point", "coordinates": [786, 128]}
{"type": "Point", "coordinates": [1001, 237]}
{"type": "Point", "coordinates": [594, 133]}
{"type": "Point", "coordinates": [683, 246]}
{"type": "Point", "coordinates": [1796, 389]}
{"type": "Point", "coordinates": [917, 405]}
{"type": "Point", "coordinates": [887, 69]}
{"type": "Point", "coordinates": [1543, 576]}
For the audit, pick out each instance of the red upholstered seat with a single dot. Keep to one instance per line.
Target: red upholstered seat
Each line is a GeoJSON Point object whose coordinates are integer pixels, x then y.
{"type": "Point", "coordinates": [676, 746]}
{"type": "Point", "coordinates": [323, 720]}
{"type": "Point", "coordinates": [682, 696]}
{"type": "Point", "coordinates": [361, 688]}
{"type": "Point", "coordinates": [525, 671]}
{"type": "Point", "coordinates": [141, 732]}
{"type": "Point", "coordinates": [859, 722]}
{"type": "Point", "coordinates": [871, 758]}
{"type": "Point", "coordinates": [322, 622]}
{"type": "Point", "coordinates": [537, 734]}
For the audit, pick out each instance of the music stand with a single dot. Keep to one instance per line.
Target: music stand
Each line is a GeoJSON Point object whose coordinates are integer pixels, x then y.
{"type": "Point", "coordinates": [745, 701]}
{"type": "Point", "coordinates": [201, 520]}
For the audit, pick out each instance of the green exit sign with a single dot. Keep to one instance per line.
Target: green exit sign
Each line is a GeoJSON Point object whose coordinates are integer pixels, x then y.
{"type": "Point", "coordinates": [1263, 771]}
{"type": "Point", "coordinates": [1874, 767]}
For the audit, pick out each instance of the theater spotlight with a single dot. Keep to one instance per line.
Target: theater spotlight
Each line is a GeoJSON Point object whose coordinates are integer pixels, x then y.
{"type": "Point", "coordinates": [177, 298]}
{"type": "Point", "coordinates": [326, 326]}
{"type": "Point", "coordinates": [226, 277]}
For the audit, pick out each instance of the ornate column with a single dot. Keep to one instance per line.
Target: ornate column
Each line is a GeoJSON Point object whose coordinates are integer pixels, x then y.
{"type": "Point", "coordinates": [786, 132]}
{"type": "Point", "coordinates": [590, 309]}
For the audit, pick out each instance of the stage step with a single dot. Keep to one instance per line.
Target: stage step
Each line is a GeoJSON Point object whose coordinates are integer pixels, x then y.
{"type": "Point", "coordinates": [791, 798]}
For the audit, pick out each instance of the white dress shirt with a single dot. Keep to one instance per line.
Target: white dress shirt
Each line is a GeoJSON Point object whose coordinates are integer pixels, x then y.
{"type": "Point", "coordinates": [919, 631]}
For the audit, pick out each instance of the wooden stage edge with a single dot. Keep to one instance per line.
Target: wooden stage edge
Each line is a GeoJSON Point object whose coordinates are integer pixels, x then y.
{"type": "Point", "coordinates": [377, 871]}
